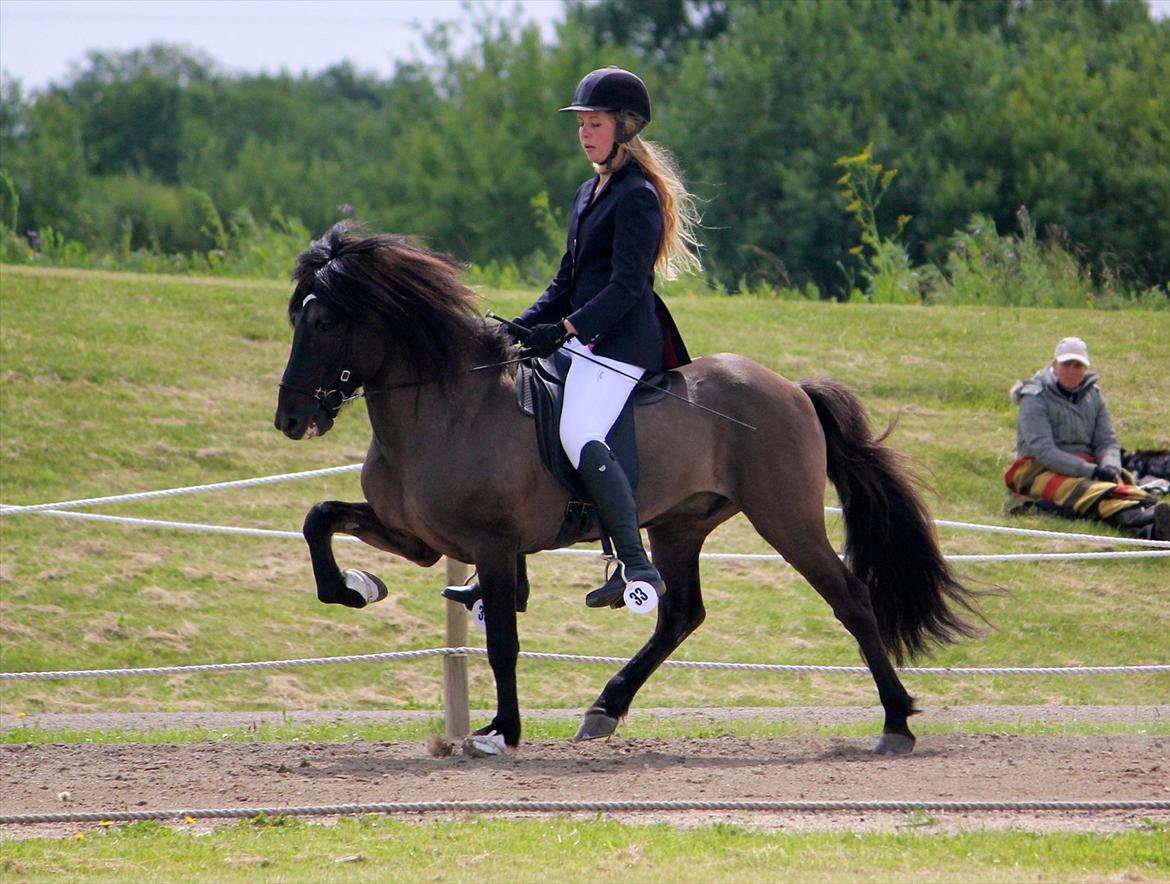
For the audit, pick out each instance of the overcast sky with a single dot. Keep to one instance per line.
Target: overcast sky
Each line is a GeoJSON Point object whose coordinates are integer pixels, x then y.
{"type": "Point", "coordinates": [41, 39]}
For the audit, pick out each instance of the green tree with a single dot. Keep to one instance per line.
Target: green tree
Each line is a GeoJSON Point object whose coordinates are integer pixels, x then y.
{"type": "Point", "coordinates": [1075, 128]}
{"type": "Point", "coordinates": [132, 109]}
{"type": "Point", "coordinates": [982, 105]}
{"type": "Point", "coordinates": [41, 149]}
{"type": "Point", "coordinates": [1059, 106]}
{"type": "Point", "coordinates": [658, 30]}
{"type": "Point", "coordinates": [464, 175]}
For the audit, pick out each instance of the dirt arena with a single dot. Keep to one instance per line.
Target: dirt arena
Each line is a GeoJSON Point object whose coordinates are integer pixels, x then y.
{"type": "Point", "coordinates": [986, 767]}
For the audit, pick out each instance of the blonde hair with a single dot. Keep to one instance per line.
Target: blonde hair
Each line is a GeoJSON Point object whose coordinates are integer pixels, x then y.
{"type": "Point", "coordinates": [679, 250]}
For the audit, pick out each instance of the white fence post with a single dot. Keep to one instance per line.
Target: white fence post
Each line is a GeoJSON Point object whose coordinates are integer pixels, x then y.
{"type": "Point", "coordinates": [456, 711]}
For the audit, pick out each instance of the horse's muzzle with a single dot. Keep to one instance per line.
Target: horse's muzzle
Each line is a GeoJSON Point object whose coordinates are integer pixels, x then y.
{"type": "Point", "coordinates": [304, 425]}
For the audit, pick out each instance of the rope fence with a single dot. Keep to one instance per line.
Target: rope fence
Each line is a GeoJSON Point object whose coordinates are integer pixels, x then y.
{"type": "Point", "coordinates": [456, 654]}
{"type": "Point", "coordinates": [627, 806]}
{"type": "Point", "coordinates": [394, 656]}
{"type": "Point", "coordinates": [176, 492]}
{"type": "Point", "coordinates": [61, 507]}
{"type": "Point", "coordinates": [710, 557]}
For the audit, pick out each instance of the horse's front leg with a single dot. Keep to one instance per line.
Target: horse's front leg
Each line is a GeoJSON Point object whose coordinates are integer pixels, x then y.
{"type": "Point", "coordinates": [497, 578]}
{"type": "Point", "coordinates": [675, 549]}
{"type": "Point", "coordinates": [352, 588]}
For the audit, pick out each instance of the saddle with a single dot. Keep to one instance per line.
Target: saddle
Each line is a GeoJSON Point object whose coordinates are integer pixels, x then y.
{"type": "Point", "coordinates": [540, 388]}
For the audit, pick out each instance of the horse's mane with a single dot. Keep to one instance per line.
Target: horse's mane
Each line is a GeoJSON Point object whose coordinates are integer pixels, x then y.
{"type": "Point", "coordinates": [411, 292]}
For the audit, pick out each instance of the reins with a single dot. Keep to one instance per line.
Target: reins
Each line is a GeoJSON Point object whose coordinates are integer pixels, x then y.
{"type": "Point", "coordinates": [424, 381]}
{"type": "Point", "coordinates": [363, 393]}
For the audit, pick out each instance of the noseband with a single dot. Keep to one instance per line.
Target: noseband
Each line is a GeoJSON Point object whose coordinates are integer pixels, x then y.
{"type": "Point", "coordinates": [330, 400]}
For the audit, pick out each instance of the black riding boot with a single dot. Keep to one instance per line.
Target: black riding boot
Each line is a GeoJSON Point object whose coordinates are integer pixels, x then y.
{"type": "Point", "coordinates": [609, 489]}
{"type": "Point", "coordinates": [1151, 522]}
{"type": "Point", "coordinates": [469, 595]}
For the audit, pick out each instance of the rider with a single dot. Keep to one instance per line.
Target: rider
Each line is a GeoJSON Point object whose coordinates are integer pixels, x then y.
{"type": "Point", "coordinates": [632, 218]}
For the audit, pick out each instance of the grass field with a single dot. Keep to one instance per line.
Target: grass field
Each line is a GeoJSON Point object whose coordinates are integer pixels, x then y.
{"type": "Point", "coordinates": [376, 849]}
{"type": "Point", "coordinates": [115, 383]}
{"type": "Point", "coordinates": [119, 383]}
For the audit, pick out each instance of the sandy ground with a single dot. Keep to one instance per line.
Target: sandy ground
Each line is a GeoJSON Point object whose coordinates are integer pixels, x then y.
{"type": "Point", "coordinates": [803, 715]}
{"type": "Point", "coordinates": [217, 774]}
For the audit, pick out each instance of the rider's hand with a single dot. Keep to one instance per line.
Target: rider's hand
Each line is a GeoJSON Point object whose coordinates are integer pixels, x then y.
{"type": "Point", "coordinates": [547, 338]}
{"type": "Point", "coordinates": [1106, 474]}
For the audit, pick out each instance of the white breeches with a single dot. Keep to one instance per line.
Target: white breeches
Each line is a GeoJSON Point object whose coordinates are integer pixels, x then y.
{"type": "Point", "coordinates": [594, 398]}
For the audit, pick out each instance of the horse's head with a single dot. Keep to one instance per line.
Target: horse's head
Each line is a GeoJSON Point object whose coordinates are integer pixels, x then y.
{"type": "Point", "coordinates": [333, 353]}
{"type": "Point", "coordinates": [365, 307]}
{"type": "Point", "coordinates": [322, 370]}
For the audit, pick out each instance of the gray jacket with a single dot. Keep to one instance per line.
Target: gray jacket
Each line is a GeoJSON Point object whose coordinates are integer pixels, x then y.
{"type": "Point", "coordinates": [1055, 428]}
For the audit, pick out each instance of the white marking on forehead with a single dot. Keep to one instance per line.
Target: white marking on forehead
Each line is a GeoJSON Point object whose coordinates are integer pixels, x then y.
{"type": "Point", "coordinates": [309, 297]}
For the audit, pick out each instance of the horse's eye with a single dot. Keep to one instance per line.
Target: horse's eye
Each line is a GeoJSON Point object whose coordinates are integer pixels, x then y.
{"type": "Point", "coordinates": [325, 323]}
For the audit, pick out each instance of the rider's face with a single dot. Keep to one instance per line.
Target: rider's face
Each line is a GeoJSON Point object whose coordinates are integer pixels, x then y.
{"type": "Point", "coordinates": [595, 130]}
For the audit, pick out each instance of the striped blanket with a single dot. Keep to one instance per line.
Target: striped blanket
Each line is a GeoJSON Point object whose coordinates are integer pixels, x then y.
{"type": "Point", "coordinates": [1073, 497]}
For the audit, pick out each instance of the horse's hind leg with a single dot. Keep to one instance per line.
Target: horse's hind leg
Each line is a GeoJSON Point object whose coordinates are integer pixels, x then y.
{"type": "Point", "coordinates": [850, 600]}
{"type": "Point", "coordinates": [675, 548]}
{"type": "Point", "coordinates": [354, 589]}
{"type": "Point", "coordinates": [805, 547]}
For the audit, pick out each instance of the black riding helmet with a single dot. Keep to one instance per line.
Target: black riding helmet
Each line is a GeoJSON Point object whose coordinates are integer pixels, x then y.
{"type": "Point", "coordinates": [615, 90]}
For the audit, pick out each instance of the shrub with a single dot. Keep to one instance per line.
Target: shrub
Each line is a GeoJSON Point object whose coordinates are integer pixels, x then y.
{"type": "Point", "coordinates": [984, 267]}
{"type": "Point", "coordinates": [885, 264]}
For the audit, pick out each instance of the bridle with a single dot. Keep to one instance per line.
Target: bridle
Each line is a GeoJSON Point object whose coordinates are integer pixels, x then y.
{"type": "Point", "coordinates": [330, 400]}
{"type": "Point", "coordinates": [345, 388]}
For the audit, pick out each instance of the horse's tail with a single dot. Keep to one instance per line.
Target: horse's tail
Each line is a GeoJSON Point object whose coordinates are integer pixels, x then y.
{"type": "Point", "coordinates": [890, 543]}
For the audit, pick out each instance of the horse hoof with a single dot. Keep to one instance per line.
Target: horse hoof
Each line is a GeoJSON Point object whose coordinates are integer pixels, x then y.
{"type": "Point", "coordinates": [894, 744]}
{"type": "Point", "coordinates": [366, 585]}
{"type": "Point", "coordinates": [484, 745]}
{"type": "Point", "coordinates": [594, 726]}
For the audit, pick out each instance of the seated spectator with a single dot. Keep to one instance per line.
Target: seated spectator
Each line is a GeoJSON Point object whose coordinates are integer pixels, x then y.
{"type": "Point", "coordinates": [1068, 461]}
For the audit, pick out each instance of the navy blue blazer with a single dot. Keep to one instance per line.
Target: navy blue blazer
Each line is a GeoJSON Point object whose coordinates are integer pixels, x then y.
{"type": "Point", "coordinates": [605, 285]}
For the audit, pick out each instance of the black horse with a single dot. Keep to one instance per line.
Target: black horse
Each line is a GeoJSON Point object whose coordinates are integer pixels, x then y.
{"type": "Point", "coordinates": [453, 469]}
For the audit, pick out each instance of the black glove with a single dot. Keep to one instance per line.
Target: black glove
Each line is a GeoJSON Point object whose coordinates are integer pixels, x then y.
{"type": "Point", "coordinates": [545, 339]}
{"type": "Point", "coordinates": [1106, 474]}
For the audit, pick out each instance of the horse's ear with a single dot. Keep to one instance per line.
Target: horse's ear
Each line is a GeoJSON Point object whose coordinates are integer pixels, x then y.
{"type": "Point", "coordinates": [334, 240]}
{"type": "Point", "coordinates": [341, 237]}
{"type": "Point", "coordinates": [321, 251]}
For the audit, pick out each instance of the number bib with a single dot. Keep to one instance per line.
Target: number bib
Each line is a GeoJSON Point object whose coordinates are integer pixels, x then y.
{"type": "Point", "coordinates": [477, 616]}
{"type": "Point", "coordinates": [640, 597]}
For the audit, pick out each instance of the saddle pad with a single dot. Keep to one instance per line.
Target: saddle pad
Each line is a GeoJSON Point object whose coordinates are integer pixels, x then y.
{"type": "Point", "coordinates": [539, 394]}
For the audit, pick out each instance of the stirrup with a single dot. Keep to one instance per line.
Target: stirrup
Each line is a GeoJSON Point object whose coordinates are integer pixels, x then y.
{"type": "Point", "coordinates": [611, 594]}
